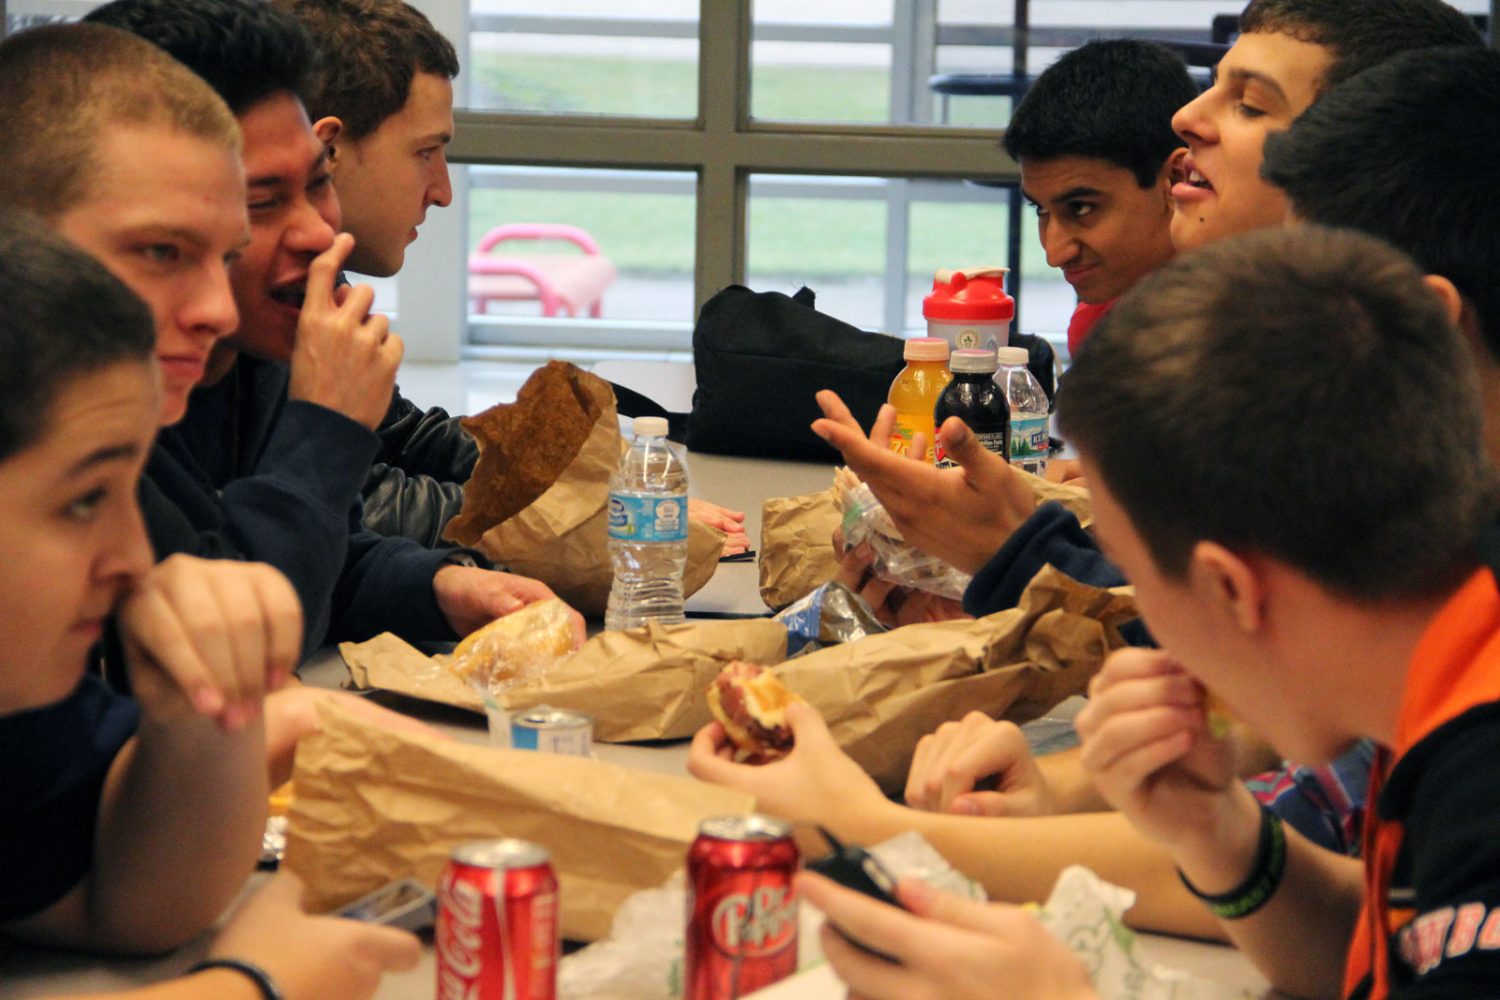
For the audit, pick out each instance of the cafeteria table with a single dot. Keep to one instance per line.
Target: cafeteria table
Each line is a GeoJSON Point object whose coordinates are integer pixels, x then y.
{"type": "Point", "coordinates": [739, 483]}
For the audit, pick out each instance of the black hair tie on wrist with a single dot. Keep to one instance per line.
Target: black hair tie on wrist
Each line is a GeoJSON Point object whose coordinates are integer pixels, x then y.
{"type": "Point", "coordinates": [260, 977]}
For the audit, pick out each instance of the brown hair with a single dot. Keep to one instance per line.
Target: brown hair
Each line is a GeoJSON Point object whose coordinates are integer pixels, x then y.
{"type": "Point", "coordinates": [1362, 33]}
{"type": "Point", "coordinates": [368, 53]}
{"type": "Point", "coordinates": [1297, 393]}
{"type": "Point", "coordinates": [65, 85]}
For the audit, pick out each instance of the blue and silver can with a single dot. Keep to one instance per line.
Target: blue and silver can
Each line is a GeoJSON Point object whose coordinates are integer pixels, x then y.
{"type": "Point", "coordinates": [553, 730]}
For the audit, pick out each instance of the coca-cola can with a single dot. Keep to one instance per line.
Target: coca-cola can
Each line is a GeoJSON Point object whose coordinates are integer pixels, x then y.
{"type": "Point", "coordinates": [497, 931]}
{"type": "Point", "coordinates": [741, 909]}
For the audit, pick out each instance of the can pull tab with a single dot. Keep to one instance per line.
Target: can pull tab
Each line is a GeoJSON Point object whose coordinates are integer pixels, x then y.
{"type": "Point", "coordinates": [950, 276]}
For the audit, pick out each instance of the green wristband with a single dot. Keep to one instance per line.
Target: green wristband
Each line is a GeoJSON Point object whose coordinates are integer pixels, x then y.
{"type": "Point", "coordinates": [1264, 878]}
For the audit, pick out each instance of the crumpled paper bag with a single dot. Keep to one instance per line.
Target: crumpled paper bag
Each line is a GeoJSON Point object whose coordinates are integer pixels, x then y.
{"type": "Point", "coordinates": [373, 805]}
{"type": "Point", "coordinates": [1074, 498]}
{"type": "Point", "coordinates": [1087, 914]}
{"type": "Point", "coordinates": [796, 546]}
{"type": "Point", "coordinates": [648, 683]}
{"type": "Point", "coordinates": [880, 695]}
{"type": "Point", "coordinates": [796, 550]}
{"type": "Point", "coordinates": [387, 663]}
{"type": "Point", "coordinates": [639, 684]}
{"type": "Point", "coordinates": [537, 501]}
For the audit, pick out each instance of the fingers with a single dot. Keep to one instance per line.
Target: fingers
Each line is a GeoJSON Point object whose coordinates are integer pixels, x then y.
{"type": "Point", "coordinates": [156, 640]}
{"type": "Point", "coordinates": [710, 758]}
{"type": "Point", "coordinates": [283, 626]}
{"type": "Point", "coordinates": [387, 948]}
{"type": "Point", "coordinates": [324, 269]}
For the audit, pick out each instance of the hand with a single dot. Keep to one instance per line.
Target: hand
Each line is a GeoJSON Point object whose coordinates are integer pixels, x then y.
{"type": "Point", "coordinates": [1065, 470]}
{"type": "Point", "coordinates": [945, 947]}
{"type": "Point", "coordinates": [1147, 748]}
{"type": "Point", "coordinates": [292, 713]}
{"type": "Point", "coordinates": [731, 522]}
{"type": "Point", "coordinates": [893, 604]}
{"type": "Point", "coordinates": [470, 598]}
{"type": "Point", "coordinates": [345, 357]}
{"type": "Point", "coordinates": [313, 958]}
{"type": "Point", "coordinates": [953, 766]}
{"type": "Point", "coordinates": [960, 515]}
{"type": "Point", "coordinates": [210, 637]}
{"type": "Point", "coordinates": [816, 782]}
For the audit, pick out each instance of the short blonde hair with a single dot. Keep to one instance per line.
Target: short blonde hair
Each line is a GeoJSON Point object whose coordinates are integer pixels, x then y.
{"type": "Point", "coordinates": [65, 85]}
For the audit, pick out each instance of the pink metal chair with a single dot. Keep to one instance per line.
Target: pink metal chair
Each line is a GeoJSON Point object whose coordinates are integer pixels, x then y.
{"type": "Point", "coordinates": [562, 282]}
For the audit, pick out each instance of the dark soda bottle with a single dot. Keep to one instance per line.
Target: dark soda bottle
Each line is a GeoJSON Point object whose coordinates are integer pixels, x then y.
{"type": "Point", "coordinates": [975, 399]}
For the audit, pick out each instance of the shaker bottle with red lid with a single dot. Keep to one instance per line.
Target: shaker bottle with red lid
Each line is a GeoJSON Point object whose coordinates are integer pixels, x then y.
{"type": "Point", "coordinates": [969, 308]}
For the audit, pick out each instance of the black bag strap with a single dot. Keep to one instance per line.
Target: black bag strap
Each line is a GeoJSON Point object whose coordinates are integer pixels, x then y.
{"type": "Point", "coordinates": [629, 403]}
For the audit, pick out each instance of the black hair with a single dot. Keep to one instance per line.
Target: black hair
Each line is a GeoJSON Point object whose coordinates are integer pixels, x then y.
{"type": "Point", "coordinates": [1295, 393]}
{"type": "Point", "coordinates": [247, 50]}
{"type": "Point", "coordinates": [368, 53]}
{"type": "Point", "coordinates": [65, 315]}
{"type": "Point", "coordinates": [1362, 33]}
{"type": "Point", "coordinates": [1408, 151]}
{"type": "Point", "coordinates": [1111, 100]}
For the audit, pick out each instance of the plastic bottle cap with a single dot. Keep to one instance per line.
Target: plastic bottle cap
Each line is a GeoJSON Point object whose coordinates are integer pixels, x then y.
{"type": "Point", "coordinates": [972, 359]}
{"type": "Point", "coordinates": [925, 349]}
{"type": "Point", "coordinates": [970, 295]}
{"type": "Point", "coordinates": [1013, 356]}
{"type": "Point", "coordinates": [650, 426]}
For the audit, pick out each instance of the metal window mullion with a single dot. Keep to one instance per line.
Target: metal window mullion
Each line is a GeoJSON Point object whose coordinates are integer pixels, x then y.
{"type": "Point", "coordinates": [723, 113]}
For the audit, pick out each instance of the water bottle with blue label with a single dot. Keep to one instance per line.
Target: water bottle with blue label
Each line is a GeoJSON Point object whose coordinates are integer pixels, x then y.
{"type": "Point", "coordinates": [1030, 422]}
{"type": "Point", "coordinates": [648, 530]}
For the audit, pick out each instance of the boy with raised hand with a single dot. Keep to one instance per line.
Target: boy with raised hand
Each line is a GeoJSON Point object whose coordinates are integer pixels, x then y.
{"type": "Point", "coordinates": [272, 453]}
{"type": "Point", "coordinates": [1320, 617]}
{"type": "Point", "coordinates": [980, 518]}
{"type": "Point", "coordinates": [380, 96]}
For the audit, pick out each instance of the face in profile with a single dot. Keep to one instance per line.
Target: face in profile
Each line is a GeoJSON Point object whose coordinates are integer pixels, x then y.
{"type": "Point", "coordinates": [71, 531]}
{"type": "Point", "coordinates": [1263, 83]}
{"type": "Point", "coordinates": [388, 179]}
{"type": "Point", "coordinates": [165, 213]}
{"type": "Point", "coordinates": [1097, 224]}
{"type": "Point", "coordinates": [294, 214]}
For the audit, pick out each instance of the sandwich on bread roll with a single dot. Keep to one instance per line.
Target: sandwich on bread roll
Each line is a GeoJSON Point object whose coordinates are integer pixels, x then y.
{"type": "Point", "coordinates": [522, 642]}
{"type": "Point", "coordinates": [750, 703]}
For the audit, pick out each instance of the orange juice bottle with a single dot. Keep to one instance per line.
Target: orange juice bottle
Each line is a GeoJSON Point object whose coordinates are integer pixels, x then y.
{"type": "Point", "coordinates": [915, 392]}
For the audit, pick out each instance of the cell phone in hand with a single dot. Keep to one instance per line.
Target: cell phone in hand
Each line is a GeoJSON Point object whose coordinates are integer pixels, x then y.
{"type": "Point", "coordinates": [853, 867]}
{"type": "Point", "coordinates": [406, 904]}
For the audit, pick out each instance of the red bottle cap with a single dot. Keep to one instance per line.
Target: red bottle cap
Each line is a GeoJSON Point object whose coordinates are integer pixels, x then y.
{"type": "Point", "coordinates": [970, 295]}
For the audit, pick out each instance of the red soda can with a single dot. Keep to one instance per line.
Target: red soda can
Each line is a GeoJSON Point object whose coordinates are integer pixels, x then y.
{"type": "Point", "coordinates": [741, 909]}
{"type": "Point", "coordinates": [497, 932]}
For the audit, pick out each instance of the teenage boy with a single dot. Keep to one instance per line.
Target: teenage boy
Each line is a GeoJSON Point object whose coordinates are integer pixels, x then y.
{"type": "Point", "coordinates": [380, 96]}
{"type": "Point", "coordinates": [102, 842]}
{"type": "Point", "coordinates": [979, 518]}
{"type": "Point", "coordinates": [1319, 617]}
{"type": "Point", "coordinates": [276, 452]}
{"type": "Point", "coordinates": [1094, 141]}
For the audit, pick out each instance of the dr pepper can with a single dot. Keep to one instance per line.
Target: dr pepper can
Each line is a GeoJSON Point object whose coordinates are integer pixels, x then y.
{"type": "Point", "coordinates": [741, 910]}
{"type": "Point", "coordinates": [497, 925]}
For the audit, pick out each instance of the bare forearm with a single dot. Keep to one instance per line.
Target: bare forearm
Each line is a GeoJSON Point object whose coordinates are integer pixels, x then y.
{"type": "Point", "coordinates": [1072, 789]}
{"type": "Point", "coordinates": [1019, 859]}
{"type": "Point", "coordinates": [180, 827]}
{"type": "Point", "coordinates": [1319, 897]}
{"type": "Point", "coordinates": [212, 984]}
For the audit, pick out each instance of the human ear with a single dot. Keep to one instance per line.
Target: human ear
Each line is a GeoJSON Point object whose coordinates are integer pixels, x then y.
{"type": "Point", "coordinates": [1448, 295]}
{"type": "Point", "coordinates": [1229, 583]}
{"type": "Point", "coordinates": [329, 131]}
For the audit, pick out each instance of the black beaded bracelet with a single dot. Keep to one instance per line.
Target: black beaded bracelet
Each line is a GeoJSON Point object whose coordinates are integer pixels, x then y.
{"type": "Point", "coordinates": [260, 977]}
{"type": "Point", "coordinates": [1265, 874]}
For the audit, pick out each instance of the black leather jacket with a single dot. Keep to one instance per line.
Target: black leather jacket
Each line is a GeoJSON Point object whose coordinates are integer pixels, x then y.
{"type": "Point", "coordinates": [415, 486]}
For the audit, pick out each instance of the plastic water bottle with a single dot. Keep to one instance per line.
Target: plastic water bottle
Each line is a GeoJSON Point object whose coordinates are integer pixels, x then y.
{"type": "Point", "coordinates": [648, 530]}
{"type": "Point", "coordinates": [1030, 425]}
